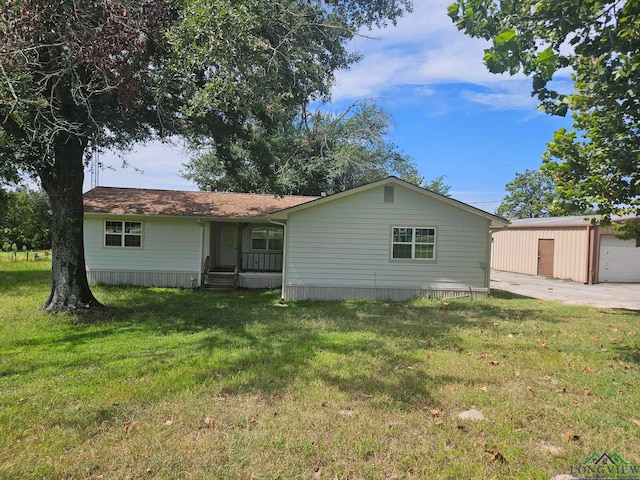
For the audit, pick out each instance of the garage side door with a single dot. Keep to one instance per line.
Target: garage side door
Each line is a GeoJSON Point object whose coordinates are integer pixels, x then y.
{"type": "Point", "coordinates": [619, 260]}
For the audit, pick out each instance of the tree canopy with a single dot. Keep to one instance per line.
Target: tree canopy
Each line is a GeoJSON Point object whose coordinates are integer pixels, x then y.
{"type": "Point", "coordinates": [317, 151]}
{"type": "Point", "coordinates": [597, 41]}
{"type": "Point", "coordinates": [529, 195]}
{"type": "Point", "coordinates": [78, 76]}
{"type": "Point", "coordinates": [25, 219]}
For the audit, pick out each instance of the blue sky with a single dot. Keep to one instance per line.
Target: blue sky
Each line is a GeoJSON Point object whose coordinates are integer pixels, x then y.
{"type": "Point", "coordinates": [450, 114]}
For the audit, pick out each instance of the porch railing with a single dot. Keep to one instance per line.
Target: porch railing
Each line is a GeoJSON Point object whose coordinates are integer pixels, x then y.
{"type": "Point", "coordinates": [207, 264]}
{"type": "Point", "coordinates": [262, 262]}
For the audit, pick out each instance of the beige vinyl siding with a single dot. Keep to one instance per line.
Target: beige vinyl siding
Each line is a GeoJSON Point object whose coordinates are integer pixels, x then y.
{"type": "Point", "coordinates": [171, 253]}
{"type": "Point", "coordinates": [516, 251]}
{"type": "Point", "coordinates": [347, 243]}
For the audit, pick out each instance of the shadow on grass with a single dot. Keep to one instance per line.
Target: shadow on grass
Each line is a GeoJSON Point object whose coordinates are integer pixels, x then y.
{"type": "Point", "coordinates": [506, 295]}
{"type": "Point", "coordinates": [165, 341]}
{"type": "Point", "coordinates": [17, 281]}
{"type": "Point", "coordinates": [259, 347]}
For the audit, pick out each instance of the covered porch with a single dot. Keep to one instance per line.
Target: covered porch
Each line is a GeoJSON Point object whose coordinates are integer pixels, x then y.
{"type": "Point", "coordinates": [243, 255]}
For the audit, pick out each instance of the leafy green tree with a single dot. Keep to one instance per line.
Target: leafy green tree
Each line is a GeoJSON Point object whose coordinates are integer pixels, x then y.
{"type": "Point", "coordinates": [25, 219]}
{"type": "Point", "coordinates": [438, 185]}
{"type": "Point", "coordinates": [530, 195]}
{"type": "Point", "coordinates": [78, 76]}
{"type": "Point", "coordinates": [316, 152]}
{"type": "Point", "coordinates": [597, 163]}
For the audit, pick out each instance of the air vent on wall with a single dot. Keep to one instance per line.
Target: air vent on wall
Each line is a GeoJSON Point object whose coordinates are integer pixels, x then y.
{"type": "Point", "coordinates": [388, 194]}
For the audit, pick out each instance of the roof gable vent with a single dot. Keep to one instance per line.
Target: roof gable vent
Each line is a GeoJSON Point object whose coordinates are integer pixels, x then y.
{"type": "Point", "coordinates": [388, 194]}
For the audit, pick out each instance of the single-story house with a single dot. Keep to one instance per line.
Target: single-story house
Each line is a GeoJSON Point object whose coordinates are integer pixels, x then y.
{"type": "Point", "coordinates": [565, 247]}
{"type": "Point", "coordinates": [387, 240]}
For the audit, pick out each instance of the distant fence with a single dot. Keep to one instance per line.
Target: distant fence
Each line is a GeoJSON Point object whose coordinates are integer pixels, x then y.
{"type": "Point", "coordinates": [25, 256]}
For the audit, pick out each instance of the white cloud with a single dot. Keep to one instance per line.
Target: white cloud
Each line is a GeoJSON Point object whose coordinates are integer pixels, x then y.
{"type": "Point", "coordinates": [513, 95]}
{"type": "Point", "coordinates": [154, 165]}
{"type": "Point", "coordinates": [426, 49]}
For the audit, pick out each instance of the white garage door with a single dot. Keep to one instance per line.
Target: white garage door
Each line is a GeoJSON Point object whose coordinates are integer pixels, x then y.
{"type": "Point", "coordinates": [619, 260]}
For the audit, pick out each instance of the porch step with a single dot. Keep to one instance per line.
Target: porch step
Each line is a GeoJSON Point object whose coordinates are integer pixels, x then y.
{"type": "Point", "coordinates": [217, 281]}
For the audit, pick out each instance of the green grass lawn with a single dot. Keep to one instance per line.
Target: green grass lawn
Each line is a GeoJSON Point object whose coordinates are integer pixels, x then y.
{"type": "Point", "coordinates": [181, 384]}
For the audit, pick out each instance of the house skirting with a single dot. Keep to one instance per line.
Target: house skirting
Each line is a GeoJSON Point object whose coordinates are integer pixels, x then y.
{"type": "Point", "coordinates": [259, 280]}
{"type": "Point", "coordinates": [297, 292]}
{"type": "Point", "coordinates": [144, 278]}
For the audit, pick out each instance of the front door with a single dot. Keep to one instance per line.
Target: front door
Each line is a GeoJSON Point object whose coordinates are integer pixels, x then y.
{"type": "Point", "coordinates": [228, 243]}
{"type": "Point", "coordinates": [545, 257]}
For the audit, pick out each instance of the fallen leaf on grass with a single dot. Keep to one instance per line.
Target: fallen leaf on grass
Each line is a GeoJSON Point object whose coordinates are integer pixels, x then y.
{"type": "Point", "coordinates": [464, 428]}
{"type": "Point", "coordinates": [561, 390]}
{"type": "Point", "coordinates": [435, 412]}
{"type": "Point", "coordinates": [317, 473]}
{"type": "Point", "coordinates": [494, 362]}
{"type": "Point", "coordinates": [544, 345]}
{"type": "Point", "coordinates": [209, 422]}
{"type": "Point", "coordinates": [484, 388]}
{"type": "Point", "coordinates": [496, 456]}
{"type": "Point", "coordinates": [128, 426]}
{"type": "Point", "coordinates": [439, 423]}
{"type": "Point", "coordinates": [586, 392]}
{"type": "Point", "coordinates": [413, 367]}
{"type": "Point", "coordinates": [637, 422]}
{"type": "Point", "coordinates": [531, 391]}
{"type": "Point", "coordinates": [169, 423]}
{"type": "Point", "coordinates": [571, 437]}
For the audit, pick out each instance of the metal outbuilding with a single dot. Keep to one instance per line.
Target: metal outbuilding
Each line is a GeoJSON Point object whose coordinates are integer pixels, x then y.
{"type": "Point", "coordinates": [567, 248]}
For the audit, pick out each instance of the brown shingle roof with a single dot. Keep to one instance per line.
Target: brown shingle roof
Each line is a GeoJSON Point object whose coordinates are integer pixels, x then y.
{"type": "Point", "coordinates": [174, 203]}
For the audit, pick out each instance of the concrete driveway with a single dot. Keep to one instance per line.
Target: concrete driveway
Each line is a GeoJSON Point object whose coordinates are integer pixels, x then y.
{"type": "Point", "coordinates": [607, 295]}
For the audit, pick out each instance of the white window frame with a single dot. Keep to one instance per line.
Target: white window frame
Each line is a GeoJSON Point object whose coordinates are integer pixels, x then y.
{"type": "Point", "coordinates": [413, 243]}
{"type": "Point", "coordinates": [123, 234]}
{"type": "Point", "coordinates": [268, 239]}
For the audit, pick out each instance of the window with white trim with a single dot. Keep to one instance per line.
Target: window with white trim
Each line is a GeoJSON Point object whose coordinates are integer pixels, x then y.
{"type": "Point", "coordinates": [413, 243]}
{"type": "Point", "coordinates": [267, 238]}
{"type": "Point", "coordinates": [122, 234]}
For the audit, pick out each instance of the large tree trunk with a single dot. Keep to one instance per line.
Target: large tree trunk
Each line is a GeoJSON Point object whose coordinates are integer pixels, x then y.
{"type": "Point", "coordinates": [63, 183]}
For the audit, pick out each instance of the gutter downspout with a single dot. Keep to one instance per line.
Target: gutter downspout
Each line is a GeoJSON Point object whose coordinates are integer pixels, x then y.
{"type": "Point", "coordinates": [487, 262]}
{"type": "Point", "coordinates": [588, 279]}
{"type": "Point", "coordinates": [592, 253]}
{"type": "Point", "coordinates": [284, 252]}
{"type": "Point", "coordinates": [201, 250]}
